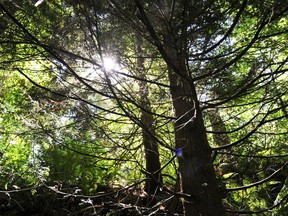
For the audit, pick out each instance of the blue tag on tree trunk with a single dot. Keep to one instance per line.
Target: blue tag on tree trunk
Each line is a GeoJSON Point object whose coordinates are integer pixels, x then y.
{"type": "Point", "coordinates": [179, 152]}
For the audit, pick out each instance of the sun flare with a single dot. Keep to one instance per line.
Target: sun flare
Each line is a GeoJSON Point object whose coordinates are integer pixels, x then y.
{"type": "Point", "coordinates": [109, 63]}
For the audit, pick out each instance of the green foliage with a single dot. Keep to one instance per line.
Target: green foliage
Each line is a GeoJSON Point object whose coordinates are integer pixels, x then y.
{"type": "Point", "coordinates": [65, 120]}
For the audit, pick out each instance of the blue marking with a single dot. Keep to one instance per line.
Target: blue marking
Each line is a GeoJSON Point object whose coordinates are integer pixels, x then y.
{"type": "Point", "coordinates": [179, 152]}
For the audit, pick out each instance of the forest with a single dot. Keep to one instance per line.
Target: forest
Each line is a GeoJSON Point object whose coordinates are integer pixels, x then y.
{"type": "Point", "coordinates": [143, 107]}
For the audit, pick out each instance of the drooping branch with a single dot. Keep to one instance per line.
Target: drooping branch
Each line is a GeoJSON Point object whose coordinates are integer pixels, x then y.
{"type": "Point", "coordinates": [256, 183]}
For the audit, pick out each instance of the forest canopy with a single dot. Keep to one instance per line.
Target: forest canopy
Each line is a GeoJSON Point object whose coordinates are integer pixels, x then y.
{"type": "Point", "coordinates": [143, 107]}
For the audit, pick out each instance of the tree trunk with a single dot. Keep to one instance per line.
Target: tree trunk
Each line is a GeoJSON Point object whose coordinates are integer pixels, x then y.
{"type": "Point", "coordinates": [227, 163]}
{"type": "Point", "coordinates": [220, 137]}
{"type": "Point", "coordinates": [195, 165]}
{"type": "Point", "coordinates": [153, 165]}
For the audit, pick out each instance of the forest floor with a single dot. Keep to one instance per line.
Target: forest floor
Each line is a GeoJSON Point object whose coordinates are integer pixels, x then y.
{"type": "Point", "coordinates": [51, 201]}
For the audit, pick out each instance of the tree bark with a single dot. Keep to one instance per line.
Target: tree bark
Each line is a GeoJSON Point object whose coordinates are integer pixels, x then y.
{"type": "Point", "coordinates": [195, 165]}
{"type": "Point", "coordinates": [220, 137]}
{"type": "Point", "coordinates": [226, 163]}
{"type": "Point", "coordinates": [153, 165]}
